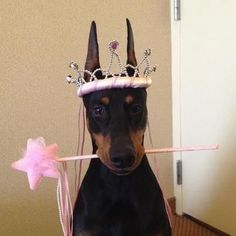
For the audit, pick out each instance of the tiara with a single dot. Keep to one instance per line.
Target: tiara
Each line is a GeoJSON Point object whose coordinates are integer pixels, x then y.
{"type": "Point", "coordinates": [113, 80]}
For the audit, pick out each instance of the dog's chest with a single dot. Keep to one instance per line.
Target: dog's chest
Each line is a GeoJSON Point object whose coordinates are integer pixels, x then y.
{"type": "Point", "coordinates": [112, 206]}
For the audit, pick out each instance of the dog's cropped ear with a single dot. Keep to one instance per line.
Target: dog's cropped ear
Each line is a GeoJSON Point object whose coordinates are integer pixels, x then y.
{"type": "Point", "coordinates": [92, 61]}
{"type": "Point", "coordinates": [131, 59]}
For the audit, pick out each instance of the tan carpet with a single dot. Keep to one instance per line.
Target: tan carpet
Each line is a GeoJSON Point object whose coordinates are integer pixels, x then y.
{"type": "Point", "coordinates": [185, 227]}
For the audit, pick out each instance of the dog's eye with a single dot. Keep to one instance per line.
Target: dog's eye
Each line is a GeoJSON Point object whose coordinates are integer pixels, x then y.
{"type": "Point", "coordinates": [136, 109]}
{"type": "Point", "coordinates": [98, 111]}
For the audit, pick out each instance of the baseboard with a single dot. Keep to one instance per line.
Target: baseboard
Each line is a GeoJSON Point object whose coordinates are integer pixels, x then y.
{"type": "Point", "coordinates": [172, 204]}
{"type": "Point", "coordinates": [213, 229]}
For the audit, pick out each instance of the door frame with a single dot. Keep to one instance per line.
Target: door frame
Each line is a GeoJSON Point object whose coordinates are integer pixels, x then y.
{"type": "Point", "coordinates": [176, 101]}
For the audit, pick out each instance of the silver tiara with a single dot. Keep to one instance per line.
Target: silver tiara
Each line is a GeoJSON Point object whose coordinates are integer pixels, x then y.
{"type": "Point", "coordinates": [106, 73]}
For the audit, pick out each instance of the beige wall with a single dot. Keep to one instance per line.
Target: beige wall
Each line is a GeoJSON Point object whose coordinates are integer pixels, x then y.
{"type": "Point", "coordinates": [37, 41]}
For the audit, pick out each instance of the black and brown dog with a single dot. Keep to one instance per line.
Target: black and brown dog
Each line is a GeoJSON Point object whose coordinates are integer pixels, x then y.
{"type": "Point", "coordinates": [119, 195]}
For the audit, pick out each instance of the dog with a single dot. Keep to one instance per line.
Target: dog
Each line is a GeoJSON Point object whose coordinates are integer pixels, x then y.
{"type": "Point", "coordinates": [119, 195]}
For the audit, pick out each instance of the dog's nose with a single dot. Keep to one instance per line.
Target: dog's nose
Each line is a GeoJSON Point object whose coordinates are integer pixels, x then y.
{"type": "Point", "coordinates": [122, 160]}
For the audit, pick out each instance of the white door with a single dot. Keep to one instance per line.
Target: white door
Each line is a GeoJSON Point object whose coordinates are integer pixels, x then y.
{"type": "Point", "coordinates": [204, 109]}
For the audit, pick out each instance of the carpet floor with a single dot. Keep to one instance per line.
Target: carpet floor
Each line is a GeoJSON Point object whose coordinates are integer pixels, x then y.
{"type": "Point", "coordinates": [184, 226]}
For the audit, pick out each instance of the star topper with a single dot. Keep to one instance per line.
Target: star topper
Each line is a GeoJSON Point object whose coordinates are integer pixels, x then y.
{"type": "Point", "coordinates": [38, 161]}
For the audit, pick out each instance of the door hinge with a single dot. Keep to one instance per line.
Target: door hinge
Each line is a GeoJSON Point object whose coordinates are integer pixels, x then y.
{"type": "Point", "coordinates": [177, 10]}
{"type": "Point", "coordinates": [179, 172]}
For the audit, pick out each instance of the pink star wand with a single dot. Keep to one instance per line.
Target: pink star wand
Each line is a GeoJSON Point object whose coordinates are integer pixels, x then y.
{"type": "Point", "coordinates": [41, 161]}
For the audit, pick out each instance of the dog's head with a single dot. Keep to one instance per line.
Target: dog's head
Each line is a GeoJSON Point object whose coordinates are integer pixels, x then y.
{"type": "Point", "coordinates": [116, 118]}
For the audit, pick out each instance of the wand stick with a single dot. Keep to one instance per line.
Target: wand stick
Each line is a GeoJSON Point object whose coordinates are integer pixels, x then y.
{"type": "Point", "coordinates": [147, 151]}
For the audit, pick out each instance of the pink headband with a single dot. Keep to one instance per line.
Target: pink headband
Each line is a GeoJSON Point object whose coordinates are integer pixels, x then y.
{"type": "Point", "coordinates": [114, 82]}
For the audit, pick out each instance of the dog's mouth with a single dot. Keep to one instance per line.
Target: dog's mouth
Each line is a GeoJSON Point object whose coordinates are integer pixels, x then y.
{"type": "Point", "coordinates": [120, 171]}
{"type": "Point", "coordinates": [120, 157]}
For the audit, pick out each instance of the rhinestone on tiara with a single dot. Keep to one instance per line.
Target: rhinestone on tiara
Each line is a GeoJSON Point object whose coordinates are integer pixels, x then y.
{"type": "Point", "coordinates": [113, 80]}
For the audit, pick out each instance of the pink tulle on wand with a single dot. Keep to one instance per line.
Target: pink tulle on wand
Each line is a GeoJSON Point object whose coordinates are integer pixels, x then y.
{"type": "Point", "coordinates": [38, 161]}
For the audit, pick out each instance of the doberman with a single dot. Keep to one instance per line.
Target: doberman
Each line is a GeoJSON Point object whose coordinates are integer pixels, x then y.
{"type": "Point", "coordinates": [119, 195]}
